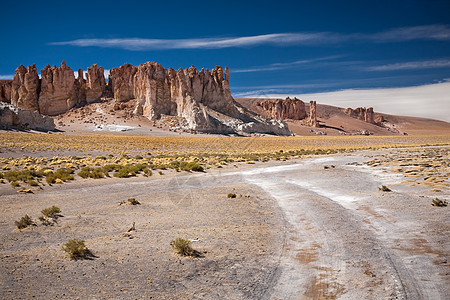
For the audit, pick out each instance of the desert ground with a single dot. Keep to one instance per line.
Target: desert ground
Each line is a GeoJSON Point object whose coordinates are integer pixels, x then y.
{"type": "Point", "coordinates": [309, 224]}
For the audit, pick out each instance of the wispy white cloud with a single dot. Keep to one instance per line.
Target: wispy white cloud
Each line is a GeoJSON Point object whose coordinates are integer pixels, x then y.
{"type": "Point", "coordinates": [428, 32]}
{"type": "Point", "coordinates": [413, 65]}
{"type": "Point", "coordinates": [6, 77]}
{"type": "Point", "coordinates": [139, 44]}
{"type": "Point", "coordinates": [282, 66]}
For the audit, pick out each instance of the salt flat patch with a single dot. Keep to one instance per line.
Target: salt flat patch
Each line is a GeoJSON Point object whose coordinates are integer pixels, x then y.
{"type": "Point", "coordinates": [114, 128]}
{"type": "Point", "coordinates": [346, 200]}
{"type": "Point", "coordinates": [383, 175]}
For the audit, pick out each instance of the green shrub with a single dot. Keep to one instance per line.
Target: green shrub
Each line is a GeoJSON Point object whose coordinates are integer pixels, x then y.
{"type": "Point", "coordinates": [23, 176]}
{"type": "Point", "coordinates": [147, 172]}
{"type": "Point", "coordinates": [15, 184]}
{"type": "Point", "coordinates": [24, 222]}
{"type": "Point", "coordinates": [76, 249]}
{"type": "Point", "coordinates": [231, 195]}
{"type": "Point", "coordinates": [51, 212]}
{"type": "Point", "coordinates": [95, 173]}
{"type": "Point", "coordinates": [50, 178]}
{"type": "Point", "coordinates": [182, 246]}
{"type": "Point", "coordinates": [32, 183]}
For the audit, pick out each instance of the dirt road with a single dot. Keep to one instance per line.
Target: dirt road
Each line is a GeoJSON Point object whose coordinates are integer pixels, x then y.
{"type": "Point", "coordinates": [347, 240]}
{"type": "Point", "coordinates": [311, 229]}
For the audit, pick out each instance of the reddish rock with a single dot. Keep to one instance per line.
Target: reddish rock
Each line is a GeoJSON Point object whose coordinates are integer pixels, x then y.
{"type": "Point", "coordinates": [95, 83]}
{"type": "Point", "coordinates": [313, 114]}
{"type": "Point", "coordinates": [5, 91]}
{"type": "Point", "coordinates": [59, 91]}
{"type": "Point", "coordinates": [122, 82]}
{"type": "Point", "coordinates": [361, 113]}
{"type": "Point", "coordinates": [25, 88]}
{"type": "Point", "coordinates": [279, 109]}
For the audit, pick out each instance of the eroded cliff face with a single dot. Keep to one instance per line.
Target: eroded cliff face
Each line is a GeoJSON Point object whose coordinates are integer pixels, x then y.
{"type": "Point", "coordinates": [59, 90]}
{"type": "Point", "coordinates": [95, 83]}
{"type": "Point", "coordinates": [362, 113]}
{"type": "Point", "coordinates": [279, 109]}
{"type": "Point", "coordinates": [25, 88]}
{"type": "Point", "coordinates": [202, 99]}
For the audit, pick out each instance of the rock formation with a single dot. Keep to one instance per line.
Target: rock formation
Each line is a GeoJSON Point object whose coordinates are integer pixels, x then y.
{"type": "Point", "coordinates": [59, 91]}
{"type": "Point", "coordinates": [279, 109]}
{"type": "Point", "coordinates": [361, 113]}
{"type": "Point", "coordinates": [122, 82]}
{"type": "Point", "coordinates": [95, 83]}
{"type": "Point", "coordinates": [14, 117]}
{"type": "Point", "coordinates": [25, 88]}
{"type": "Point", "coordinates": [5, 91]}
{"type": "Point", "coordinates": [313, 114]}
{"type": "Point", "coordinates": [202, 99]}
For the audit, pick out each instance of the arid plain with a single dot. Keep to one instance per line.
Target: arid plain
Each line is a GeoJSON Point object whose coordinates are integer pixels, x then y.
{"type": "Point", "coordinates": [309, 220]}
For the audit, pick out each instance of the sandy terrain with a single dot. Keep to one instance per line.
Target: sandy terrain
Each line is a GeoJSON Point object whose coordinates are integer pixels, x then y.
{"type": "Point", "coordinates": [299, 231]}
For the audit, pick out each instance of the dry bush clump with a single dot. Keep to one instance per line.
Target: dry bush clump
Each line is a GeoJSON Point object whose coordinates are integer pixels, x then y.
{"type": "Point", "coordinates": [131, 201]}
{"type": "Point", "coordinates": [51, 212]}
{"type": "Point", "coordinates": [384, 188]}
{"type": "Point", "coordinates": [76, 249]}
{"type": "Point", "coordinates": [438, 202]}
{"type": "Point", "coordinates": [182, 247]}
{"type": "Point", "coordinates": [24, 222]}
{"type": "Point", "coordinates": [231, 195]}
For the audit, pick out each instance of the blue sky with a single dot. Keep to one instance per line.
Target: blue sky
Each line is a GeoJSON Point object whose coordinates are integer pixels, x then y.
{"type": "Point", "coordinates": [271, 47]}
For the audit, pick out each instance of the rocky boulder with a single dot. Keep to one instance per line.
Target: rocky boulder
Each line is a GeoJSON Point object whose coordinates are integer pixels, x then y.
{"type": "Point", "coordinates": [14, 117]}
{"type": "Point", "coordinates": [25, 88]}
{"type": "Point", "coordinates": [279, 109]}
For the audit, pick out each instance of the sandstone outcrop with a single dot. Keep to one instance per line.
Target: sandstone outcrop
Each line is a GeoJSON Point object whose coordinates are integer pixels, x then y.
{"type": "Point", "coordinates": [362, 113]}
{"type": "Point", "coordinates": [25, 88]}
{"type": "Point", "coordinates": [202, 99]}
{"type": "Point", "coordinates": [313, 114]}
{"type": "Point", "coordinates": [14, 117]}
{"type": "Point", "coordinates": [59, 91]}
{"type": "Point", "coordinates": [279, 109]}
{"type": "Point", "coordinates": [122, 82]}
{"type": "Point", "coordinates": [5, 91]}
{"type": "Point", "coordinates": [95, 83]}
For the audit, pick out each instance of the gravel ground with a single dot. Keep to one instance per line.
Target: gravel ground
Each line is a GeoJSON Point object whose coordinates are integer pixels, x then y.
{"type": "Point", "coordinates": [316, 228]}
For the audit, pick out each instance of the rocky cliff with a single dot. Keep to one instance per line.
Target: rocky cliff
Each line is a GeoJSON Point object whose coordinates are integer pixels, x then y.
{"type": "Point", "coordinates": [25, 88]}
{"type": "Point", "coordinates": [202, 99]}
{"type": "Point", "coordinates": [279, 109]}
{"type": "Point", "coordinates": [362, 113]}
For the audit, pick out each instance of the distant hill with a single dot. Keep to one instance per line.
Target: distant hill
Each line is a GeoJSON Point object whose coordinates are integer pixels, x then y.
{"type": "Point", "coordinates": [335, 121]}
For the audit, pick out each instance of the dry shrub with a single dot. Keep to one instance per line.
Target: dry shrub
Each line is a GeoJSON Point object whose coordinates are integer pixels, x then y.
{"type": "Point", "coordinates": [183, 247]}
{"type": "Point", "coordinates": [76, 249]}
